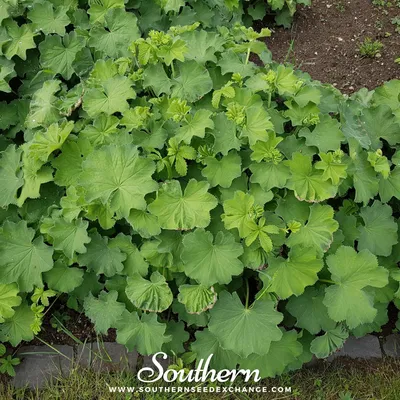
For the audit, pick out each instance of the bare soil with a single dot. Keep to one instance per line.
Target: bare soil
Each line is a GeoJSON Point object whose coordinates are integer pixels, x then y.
{"type": "Point", "coordinates": [325, 37]}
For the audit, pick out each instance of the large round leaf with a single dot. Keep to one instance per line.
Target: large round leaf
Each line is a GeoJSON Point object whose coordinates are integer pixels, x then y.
{"type": "Point", "coordinates": [153, 295]}
{"type": "Point", "coordinates": [209, 260]}
{"type": "Point", "coordinates": [245, 330]}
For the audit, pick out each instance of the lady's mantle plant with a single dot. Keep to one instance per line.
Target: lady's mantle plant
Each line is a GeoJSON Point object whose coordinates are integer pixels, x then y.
{"type": "Point", "coordinates": [195, 202]}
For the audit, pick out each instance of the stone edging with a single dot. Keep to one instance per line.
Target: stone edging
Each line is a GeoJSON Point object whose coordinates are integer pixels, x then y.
{"type": "Point", "coordinates": [42, 363]}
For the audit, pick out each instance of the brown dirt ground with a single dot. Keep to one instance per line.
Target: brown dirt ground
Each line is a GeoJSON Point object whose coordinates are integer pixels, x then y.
{"type": "Point", "coordinates": [326, 37]}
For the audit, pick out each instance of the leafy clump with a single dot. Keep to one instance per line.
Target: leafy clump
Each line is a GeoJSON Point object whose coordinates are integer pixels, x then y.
{"type": "Point", "coordinates": [163, 183]}
{"type": "Point", "coordinates": [370, 48]}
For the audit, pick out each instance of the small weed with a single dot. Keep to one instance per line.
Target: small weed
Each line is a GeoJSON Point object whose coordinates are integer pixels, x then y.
{"type": "Point", "coordinates": [340, 6]}
{"type": "Point", "coordinates": [7, 363]}
{"type": "Point", "coordinates": [396, 22]}
{"type": "Point", "coordinates": [386, 3]}
{"type": "Point", "coordinates": [346, 396]}
{"type": "Point", "coordinates": [370, 48]}
{"type": "Point", "coordinates": [379, 24]}
{"type": "Point", "coordinates": [58, 319]}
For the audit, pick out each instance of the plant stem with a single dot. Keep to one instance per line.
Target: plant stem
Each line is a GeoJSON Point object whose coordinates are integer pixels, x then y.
{"type": "Point", "coordinates": [247, 56]}
{"type": "Point", "coordinates": [247, 293]}
{"type": "Point", "coordinates": [52, 304]}
{"type": "Point", "coordinates": [327, 281]}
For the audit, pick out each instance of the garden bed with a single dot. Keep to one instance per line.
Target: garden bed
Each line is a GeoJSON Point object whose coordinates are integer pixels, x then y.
{"type": "Point", "coordinates": [158, 143]}
{"type": "Point", "coordinates": [325, 38]}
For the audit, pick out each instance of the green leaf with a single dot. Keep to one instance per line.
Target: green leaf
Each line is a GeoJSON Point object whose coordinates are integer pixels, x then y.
{"type": "Point", "coordinates": [210, 260]}
{"type": "Point", "coordinates": [152, 295]}
{"type": "Point", "coordinates": [379, 232]}
{"type": "Point", "coordinates": [8, 300]}
{"type": "Point", "coordinates": [175, 50]}
{"type": "Point", "coordinates": [332, 168]}
{"type": "Point", "coordinates": [310, 312]}
{"type": "Point", "coordinates": [285, 81]}
{"type": "Point", "coordinates": [308, 94]}
{"type": "Point", "coordinates": [111, 98]}
{"type": "Point", "coordinates": [380, 123]}
{"type": "Point", "coordinates": [318, 231]}
{"type": "Point", "coordinates": [171, 5]}
{"type": "Point", "coordinates": [326, 135]}
{"type": "Point", "coordinates": [119, 31]}
{"type": "Point", "coordinates": [135, 118]}
{"type": "Point", "coordinates": [238, 213]}
{"type": "Point", "coordinates": [134, 262]}
{"type": "Point", "coordinates": [269, 175]}
{"type": "Point", "coordinates": [323, 346]}
{"type": "Point", "coordinates": [197, 298]}
{"type": "Point", "coordinates": [43, 110]}
{"type": "Point", "coordinates": [20, 39]}
{"type": "Point", "coordinates": [231, 322]}
{"type": "Point", "coordinates": [183, 211]}
{"type": "Point", "coordinates": [146, 334]}
{"type": "Point", "coordinates": [34, 176]}
{"type": "Point", "coordinates": [307, 183]}
{"type": "Point", "coordinates": [48, 19]}
{"type": "Point", "coordinates": [64, 279]}
{"type": "Point", "coordinates": [104, 311]}
{"type": "Point", "coordinates": [118, 176]}
{"type": "Point", "coordinates": [58, 54]}
{"type": "Point", "coordinates": [191, 82]}
{"type": "Point", "coordinates": [18, 327]}
{"type": "Point", "coordinates": [380, 320]}
{"type": "Point", "coordinates": [291, 209]}
{"type": "Point", "coordinates": [155, 77]}
{"type": "Point", "coordinates": [202, 45]}
{"type": "Point", "coordinates": [352, 272]}
{"type": "Point", "coordinates": [191, 319]}
{"type": "Point", "coordinates": [390, 187]}
{"type": "Point", "coordinates": [206, 344]}
{"type": "Point", "coordinates": [230, 62]}
{"type": "Point", "coordinates": [291, 276]}
{"type": "Point", "coordinates": [260, 232]}
{"type": "Point", "coordinates": [177, 331]}
{"type": "Point", "coordinates": [365, 181]}
{"type": "Point", "coordinates": [352, 126]}
{"type": "Point", "coordinates": [388, 94]}
{"type": "Point", "coordinates": [45, 143]}
{"type": "Point", "coordinates": [258, 122]}
{"type": "Point", "coordinates": [102, 130]}
{"type": "Point", "coordinates": [196, 126]}
{"type": "Point", "coordinates": [23, 258]}
{"type": "Point", "coordinates": [99, 8]}
{"type": "Point", "coordinates": [224, 133]}
{"type": "Point", "coordinates": [280, 355]}
{"type": "Point", "coordinates": [69, 237]}
{"type": "Point", "coordinates": [222, 172]}
{"type": "Point", "coordinates": [10, 175]}
{"type": "Point", "coordinates": [380, 163]}
{"type": "Point", "coordinates": [6, 73]}
{"type": "Point", "coordinates": [101, 257]}
{"type": "Point", "coordinates": [69, 163]}
{"type": "Point", "coordinates": [144, 223]}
